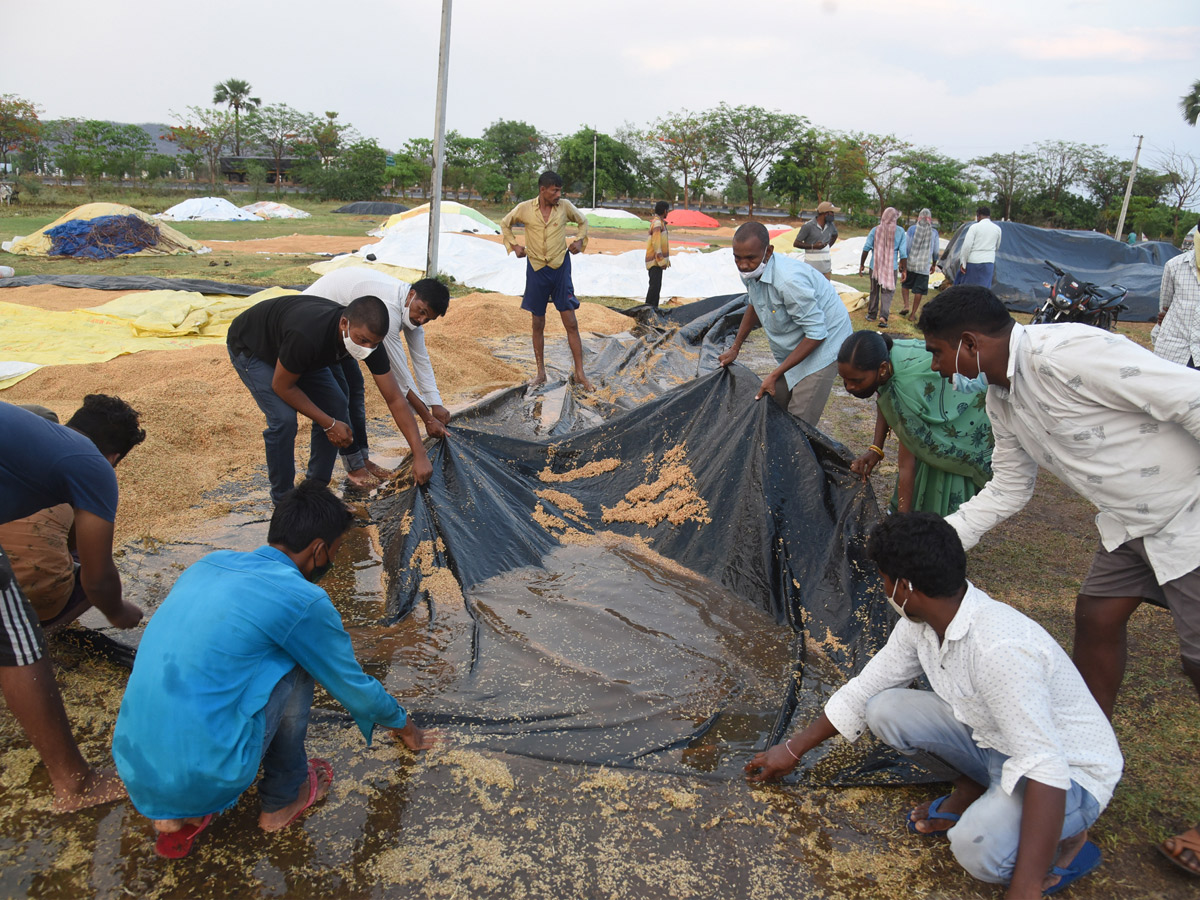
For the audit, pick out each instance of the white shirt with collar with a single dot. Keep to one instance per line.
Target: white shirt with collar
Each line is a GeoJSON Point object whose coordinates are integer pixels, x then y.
{"type": "Point", "coordinates": [1007, 680]}
{"type": "Point", "coordinates": [1116, 423]}
{"type": "Point", "coordinates": [980, 243]}
{"type": "Point", "coordinates": [1179, 335]}
{"type": "Point", "coordinates": [346, 285]}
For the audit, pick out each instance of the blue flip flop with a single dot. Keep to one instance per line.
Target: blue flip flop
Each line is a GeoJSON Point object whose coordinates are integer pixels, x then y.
{"type": "Point", "coordinates": [935, 812]}
{"type": "Point", "coordinates": [1085, 860]}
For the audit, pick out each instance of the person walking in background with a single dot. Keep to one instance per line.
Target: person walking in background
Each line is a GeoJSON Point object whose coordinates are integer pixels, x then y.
{"type": "Point", "coordinates": [945, 438]}
{"type": "Point", "coordinates": [889, 245]}
{"type": "Point", "coordinates": [658, 252]}
{"type": "Point", "coordinates": [817, 237]}
{"type": "Point", "coordinates": [977, 257]}
{"type": "Point", "coordinates": [548, 267]}
{"type": "Point", "coordinates": [922, 244]}
{"type": "Point", "coordinates": [1178, 332]}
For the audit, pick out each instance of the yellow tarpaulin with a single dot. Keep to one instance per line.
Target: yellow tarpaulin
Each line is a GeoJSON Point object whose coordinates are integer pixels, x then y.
{"type": "Point", "coordinates": [149, 320]}
{"type": "Point", "coordinates": [170, 241]}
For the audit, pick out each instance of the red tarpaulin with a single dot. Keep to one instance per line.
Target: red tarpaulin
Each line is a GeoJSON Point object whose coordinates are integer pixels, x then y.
{"type": "Point", "coordinates": [692, 218]}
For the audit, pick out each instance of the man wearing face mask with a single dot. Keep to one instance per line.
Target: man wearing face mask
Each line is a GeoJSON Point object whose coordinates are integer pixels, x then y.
{"type": "Point", "coordinates": [803, 317]}
{"type": "Point", "coordinates": [1008, 721]}
{"type": "Point", "coordinates": [410, 308]}
{"type": "Point", "coordinates": [224, 676]}
{"type": "Point", "coordinates": [1121, 427]}
{"type": "Point", "coordinates": [283, 349]}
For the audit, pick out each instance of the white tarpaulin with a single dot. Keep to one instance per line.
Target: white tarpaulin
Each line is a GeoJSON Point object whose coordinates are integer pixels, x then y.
{"type": "Point", "coordinates": [448, 223]}
{"type": "Point", "coordinates": [207, 209]}
{"type": "Point", "coordinates": [269, 209]}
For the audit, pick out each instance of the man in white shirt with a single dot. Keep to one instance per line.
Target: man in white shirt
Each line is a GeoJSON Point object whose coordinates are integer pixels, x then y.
{"type": "Point", "coordinates": [410, 307]}
{"type": "Point", "coordinates": [1032, 757]}
{"type": "Point", "coordinates": [1178, 337]}
{"type": "Point", "coordinates": [977, 258]}
{"type": "Point", "coordinates": [1118, 425]}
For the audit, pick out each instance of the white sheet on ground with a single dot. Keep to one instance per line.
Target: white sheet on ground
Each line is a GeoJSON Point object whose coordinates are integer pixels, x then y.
{"type": "Point", "coordinates": [449, 223]}
{"type": "Point", "coordinates": [206, 209]}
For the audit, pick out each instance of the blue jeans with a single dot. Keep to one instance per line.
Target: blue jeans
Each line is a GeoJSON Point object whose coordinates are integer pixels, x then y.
{"type": "Point", "coordinates": [279, 438]}
{"type": "Point", "coordinates": [922, 726]}
{"type": "Point", "coordinates": [977, 273]}
{"type": "Point", "coordinates": [285, 762]}
{"type": "Point", "coordinates": [350, 379]}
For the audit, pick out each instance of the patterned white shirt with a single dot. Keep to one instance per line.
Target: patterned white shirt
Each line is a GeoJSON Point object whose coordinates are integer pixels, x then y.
{"type": "Point", "coordinates": [1179, 335]}
{"type": "Point", "coordinates": [1008, 681]}
{"type": "Point", "coordinates": [1116, 423]}
{"type": "Point", "coordinates": [346, 285]}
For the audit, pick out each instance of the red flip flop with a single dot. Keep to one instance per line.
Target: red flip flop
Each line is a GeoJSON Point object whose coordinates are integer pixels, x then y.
{"type": "Point", "coordinates": [314, 785]}
{"type": "Point", "coordinates": [178, 844]}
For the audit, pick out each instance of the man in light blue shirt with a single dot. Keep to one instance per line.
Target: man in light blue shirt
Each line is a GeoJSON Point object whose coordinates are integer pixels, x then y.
{"type": "Point", "coordinates": [224, 680]}
{"type": "Point", "coordinates": [804, 319]}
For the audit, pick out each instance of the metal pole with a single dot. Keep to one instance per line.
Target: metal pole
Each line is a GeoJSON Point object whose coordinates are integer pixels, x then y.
{"type": "Point", "coordinates": [439, 144]}
{"type": "Point", "coordinates": [1129, 188]}
{"type": "Point", "coordinates": [594, 138]}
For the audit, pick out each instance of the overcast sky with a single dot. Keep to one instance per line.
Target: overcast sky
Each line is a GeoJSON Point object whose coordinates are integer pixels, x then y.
{"type": "Point", "coordinates": [965, 77]}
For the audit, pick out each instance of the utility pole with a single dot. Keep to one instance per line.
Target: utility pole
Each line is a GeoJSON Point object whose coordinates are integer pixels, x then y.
{"type": "Point", "coordinates": [439, 144]}
{"type": "Point", "coordinates": [1129, 188]}
{"type": "Point", "coordinates": [595, 137]}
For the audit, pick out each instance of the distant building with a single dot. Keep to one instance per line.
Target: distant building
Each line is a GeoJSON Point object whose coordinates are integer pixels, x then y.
{"type": "Point", "coordinates": [233, 168]}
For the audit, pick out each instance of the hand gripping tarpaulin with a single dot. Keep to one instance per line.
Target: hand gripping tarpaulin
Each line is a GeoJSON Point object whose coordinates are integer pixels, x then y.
{"type": "Point", "coordinates": [728, 488]}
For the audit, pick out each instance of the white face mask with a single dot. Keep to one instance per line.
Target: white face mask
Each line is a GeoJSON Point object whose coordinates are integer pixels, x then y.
{"type": "Point", "coordinates": [405, 318]}
{"type": "Point", "coordinates": [748, 277]}
{"type": "Point", "coordinates": [897, 607]}
{"type": "Point", "coordinates": [358, 351]}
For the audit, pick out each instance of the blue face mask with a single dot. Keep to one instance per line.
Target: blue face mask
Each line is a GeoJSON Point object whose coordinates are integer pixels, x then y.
{"type": "Point", "coordinates": [962, 383]}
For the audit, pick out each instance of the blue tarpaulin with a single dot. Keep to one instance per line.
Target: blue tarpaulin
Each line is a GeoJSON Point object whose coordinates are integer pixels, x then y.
{"type": "Point", "coordinates": [102, 238]}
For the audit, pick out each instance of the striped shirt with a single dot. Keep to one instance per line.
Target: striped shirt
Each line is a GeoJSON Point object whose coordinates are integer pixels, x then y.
{"type": "Point", "coordinates": [1179, 335]}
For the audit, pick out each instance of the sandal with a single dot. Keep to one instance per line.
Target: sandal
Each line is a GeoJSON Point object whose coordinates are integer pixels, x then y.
{"type": "Point", "coordinates": [1189, 840]}
{"type": "Point", "coordinates": [178, 844]}
{"type": "Point", "coordinates": [904, 312]}
{"type": "Point", "coordinates": [314, 786]}
{"type": "Point", "coordinates": [935, 812]}
{"type": "Point", "coordinates": [1085, 860]}
{"type": "Point", "coordinates": [883, 323]}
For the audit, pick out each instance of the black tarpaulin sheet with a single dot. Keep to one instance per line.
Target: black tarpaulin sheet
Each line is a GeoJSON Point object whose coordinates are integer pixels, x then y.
{"type": "Point", "coordinates": [372, 208]}
{"type": "Point", "coordinates": [570, 642]}
{"type": "Point", "coordinates": [136, 283]}
{"type": "Point", "coordinates": [1088, 255]}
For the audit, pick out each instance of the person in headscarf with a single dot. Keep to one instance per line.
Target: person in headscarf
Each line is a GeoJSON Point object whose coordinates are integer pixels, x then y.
{"type": "Point", "coordinates": [945, 437]}
{"type": "Point", "coordinates": [892, 243]}
{"type": "Point", "coordinates": [922, 244]}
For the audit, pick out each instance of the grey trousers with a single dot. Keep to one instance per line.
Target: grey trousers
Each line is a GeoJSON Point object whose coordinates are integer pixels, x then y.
{"type": "Point", "coordinates": [808, 398]}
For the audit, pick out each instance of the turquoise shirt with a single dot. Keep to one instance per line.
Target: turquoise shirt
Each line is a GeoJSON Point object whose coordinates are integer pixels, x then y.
{"type": "Point", "coordinates": [794, 301]}
{"type": "Point", "coordinates": [189, 736]}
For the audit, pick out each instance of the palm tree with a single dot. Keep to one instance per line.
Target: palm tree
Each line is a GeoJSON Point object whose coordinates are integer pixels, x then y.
{"type": "Point", "coordinates": [235, 93]}
{"type": "Point", "coordinates": [1190, 104]}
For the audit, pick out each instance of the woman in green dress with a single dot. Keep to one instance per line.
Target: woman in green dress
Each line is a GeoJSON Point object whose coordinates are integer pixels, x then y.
{"type": "Point", "coordinates": [945, 437]}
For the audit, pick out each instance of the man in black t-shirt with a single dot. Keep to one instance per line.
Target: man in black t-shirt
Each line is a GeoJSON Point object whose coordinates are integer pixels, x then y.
{"type": "Point", "coordinates": [282, 349]}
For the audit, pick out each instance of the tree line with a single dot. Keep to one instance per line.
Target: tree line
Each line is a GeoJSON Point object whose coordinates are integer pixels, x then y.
{"type": "Point", "coordinates": [728, 155]}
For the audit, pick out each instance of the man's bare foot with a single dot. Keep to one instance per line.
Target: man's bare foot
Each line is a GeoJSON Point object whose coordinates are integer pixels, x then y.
{"type": "Point", "coordinates": [957, 802]}
{"type": "Point", "coordinates": [281, 818]}
{"type": "Point", "coordinates": [582, 380]}
{"type": "Point", "coordinates": [1067, 850]}
{"type": "Point", "coordinates": [170, 826]}
{"type": "Point", "coordinates": [97, 788]}
{"type": "Point", "coordinates": [378, 471]}
{"type": "Point", "coordinates": [362, 479]}
{"type": "Point", "coordinates": [538, 380]}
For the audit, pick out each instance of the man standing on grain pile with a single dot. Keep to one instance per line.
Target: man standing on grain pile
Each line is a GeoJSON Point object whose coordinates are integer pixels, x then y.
{"type": "Point", "coordinates": [44, 464]}
{"type": "Point", "coordinates": [282, 350]}
{"type": "Point", "coordinates": [548, 267]}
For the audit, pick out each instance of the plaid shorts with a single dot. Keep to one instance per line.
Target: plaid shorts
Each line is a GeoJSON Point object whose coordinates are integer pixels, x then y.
{"type": "Point", "coordinates": [21, 640]}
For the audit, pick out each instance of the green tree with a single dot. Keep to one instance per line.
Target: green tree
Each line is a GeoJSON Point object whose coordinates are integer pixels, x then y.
{"type": "Point", "coordinates": [818, 165]}
{"type": "Point", "coordinates": [1060, 165]}
{"type": "Point", "coordinates": [359, 172]}
{"type": "Point", "coordinates": [516, 152]}
{"type": "Point", "coordinates": [205, 133]}
{"type": "Point", "coordinates": [935, 181]}
{"type": "Point", "coordinates": [616, 166]}
{"type": "Point", "coordinates": [752, 137]}
{"type": "Point", "coordinates": [95, 148]}
{"type": "Point", "coordinates": [327, 135]}
{"type": "Point", "coordinates": [234, 93]}
{"type": "Point", "coordinates": [1006, 177]}
{"type": "Point", "coordinates": [160, 165]}
{"type": "Point", "coordinates": [881, 155]}
{"type": "Point", "coordinates": [419, 153]}
{"type": "Point", "coordinates": [685, 144]}
{"type": "Point", "coordinates": [19, 125]}
{"type": "Point", "coordinates": [1189, 104]}
{"type": "Point", "coordinates": [277, 129]}
{"type": "Point", "coordinates": [1182, 172]}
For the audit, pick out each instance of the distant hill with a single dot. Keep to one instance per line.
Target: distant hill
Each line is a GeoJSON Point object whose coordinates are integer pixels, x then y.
{"type": "Point", "coordinates": [156, 130]}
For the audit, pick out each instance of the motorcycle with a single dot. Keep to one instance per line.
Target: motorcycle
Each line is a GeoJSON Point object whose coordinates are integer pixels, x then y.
{"type": "Point", "coordinates": [1072, 300]}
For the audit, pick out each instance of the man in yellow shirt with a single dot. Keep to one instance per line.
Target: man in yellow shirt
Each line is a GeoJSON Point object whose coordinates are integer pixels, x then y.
{"type": "Point", "coordinates": [658, 252]}
{"type": "Point", "coordinates": [547, 266]}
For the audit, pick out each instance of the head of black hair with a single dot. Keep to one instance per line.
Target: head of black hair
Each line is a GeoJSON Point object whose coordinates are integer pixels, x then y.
{"type": "Point", "coordinates": [920, 548]}
{"type": "Point", "coordinates": [307, 512]}
{"type": "Point", "coordinates": [435, 295]}
{"type": "Point", "coordinates": [661, 207]}
{"type": "Point", "coordinates": [964, 307]}
{"type": "Point", "coordinates": [110, 422]}
{"type": "Point", "coordinates": [550, 179]}
{"type": "Point", "coordinates": [865, 350]}
{"type": "Point", "coordinates": [983, 211]}
{"type": "Point", "coordinates": [753, 231]}
{"type": "Point", "coordinates": [370, 313]}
